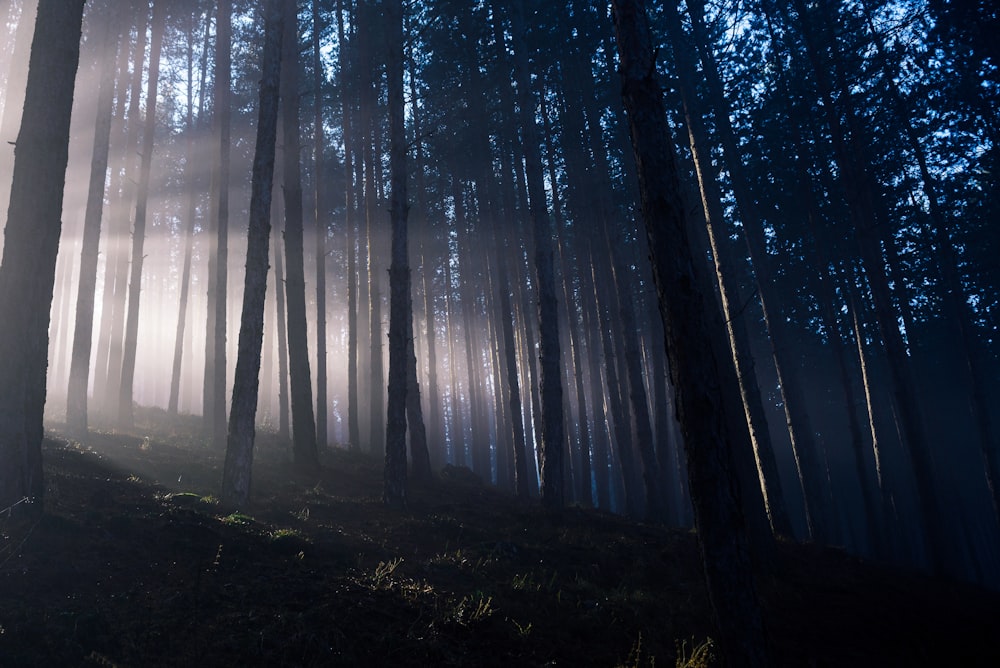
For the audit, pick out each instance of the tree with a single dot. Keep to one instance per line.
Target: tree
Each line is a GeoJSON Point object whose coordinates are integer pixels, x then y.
{"type": "Point", "coordinates": [694, 368]}
{"type": "Point", "coordinates": [76, 394]}
{"type": "Point", "coordinates": [400, 306]}
{"type": "Point", "coordinates": [31, 242]}
{"type": "Point", "coordinates": [239, 443]}
{"type": "Point", "coordinates": [215, 366]}
{"type": "Point", "coordinates": [126, 417]}
{"type": "Point", "coordinates": [548, 317]}
{"type": "Point", "coordinates": [303, 421]}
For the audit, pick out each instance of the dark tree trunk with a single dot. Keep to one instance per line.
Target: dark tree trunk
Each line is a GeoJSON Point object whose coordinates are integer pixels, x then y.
{"type": "Point", "coordinates": [550, 380]}
{"type": "Point", "coordinates": [109, 357]}
{"type": "Point", "coordinates": [303, 422]}
{"type": "Point", "coordinates": [717, 231]}
{"type": "Point", "coordinates": [400, 308]}
{"type": "Point", "coordinates": [284, 426]}
{"type": "Point", "coordinates": [215, 385]}
{"type": "Point", "coordinates": [239, 447]}
{"type": "Point", "coordinates": [350, 222]}
{"type": "Point", "coordinates": [714, 489]}
{"type": "Point", "coordinates": [31, 236]}
{"type": "Point", "coordinates": [79, 374]}
{"type": "Point", "coordinates": [320, 221]}
{"type": "Point", "coordinates": [126, 418]}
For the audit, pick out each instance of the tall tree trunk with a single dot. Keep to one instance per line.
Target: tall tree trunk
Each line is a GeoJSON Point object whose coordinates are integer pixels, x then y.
{"type": "Point", "coordinates": [548, 321]}
{"type": "Point", "coordinates": [192, 212]}
{"type": "Point", "coordinates": [350, 222]}
{"type": "Point", "coordinates": [800, 431]}
{"type": "Point", "coordinates": [857, 181]}
{"type": "Point", "coordinates": [126, 418]}
{"type": "Point", "coordinates": [714, 490]}
{"type": "Point", "coordinates": [711, 198]}
{"type": "Point", "coordinates": [109, 358]}
{"type": "Point", "coordinates": [215, 378]}
{"type": "Point", "coordinates": [239, 447]}
{"type": "Point", "coordinates": [34, 224]}
{"type": "Point", "coordinates": [284, 426]}
{"type": "Point", "coordinates": [320, 220]}
{"type": "Point", "coordinates": [303, 423]}
{"type": "Point", "coordinates": [79, 375]}
{"type": "Point", "coordinates": [400, 308]}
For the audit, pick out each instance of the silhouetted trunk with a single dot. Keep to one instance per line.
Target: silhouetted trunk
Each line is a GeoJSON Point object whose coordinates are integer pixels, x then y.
{"type": "Point", "coordinates": [31, 243]}
{"type": "Point", "coordinates": [239, 446]}
{"type": "Point", "coordinates": [109, 358]}
{"type": "Point", "coordinates": [857, 181]}
{"type": "Point", "coordinates": [350, 222]}
{"type": "Point", "coordinates": [718, 231]}
{"type": "Point", "coordinates": [320, 242]}
{"type": "Point", "coordinates": [284, 426]}
{"type": "Point", "coordinates": [215, 374]}
{"type": "Point", "coordinates": [192, 212]}
{"type": "Point", "coordinates": [800, 431]}
{"type": "Point", "coordinates": [714, 490]}
{"type": "Point", "coordinates": [126, 417]}
{"type": "Point", "coordinates": [79, 374]}
{"type": "Point", "coordinates": [303, 422]}
{"type": "Point", "coordinates": [550, 381]}
{"type": "Point", "coordinates": [400, 309]}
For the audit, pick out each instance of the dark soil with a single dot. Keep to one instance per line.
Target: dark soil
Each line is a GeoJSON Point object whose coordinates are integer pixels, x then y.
{"type": "Point", "coordinates": [134, 563]}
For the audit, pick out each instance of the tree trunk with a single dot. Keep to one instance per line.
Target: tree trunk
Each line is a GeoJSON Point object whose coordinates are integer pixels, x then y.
{"type": "Point", "coordinates": [31, 243]}
{"type": "Point", "coordinates": [350, 222]}
{"type": "Point", "coordinates": [714, 490]}
{"type": "Point", "coordinates": [109, 357]}
{"type": "Point", "coordinates": [192, 213]}
{"type": "Point", "coordinates": [239, 446]}
{"type": "Point", "coordinates": [320, 220]}
{"type": "Point", "coordinates": [400, 308]}
{"type": "Point", "coordinates": [126, 418]}
{"type": "Point", "coordinates": [548, 321]}
{"type": "Point", "coordinates": [303, 423]}
{"type": "Point", "coordinates": [79, 375]}
{"type": "Point", "coordinates": [215, 385]}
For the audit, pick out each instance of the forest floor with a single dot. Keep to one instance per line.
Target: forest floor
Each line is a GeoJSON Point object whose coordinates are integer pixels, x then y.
{"type": "Point", "coordinates": [134, 563]}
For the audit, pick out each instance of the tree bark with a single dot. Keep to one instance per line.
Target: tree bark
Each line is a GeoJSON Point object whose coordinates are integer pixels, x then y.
{"type": "Point", "coordinates": [714, 490]}
{"type": "Point", "coordinates": [303, 422]}
{"type": "Point", "coordinates": [79, 375]}
{"type": "Point", "coordinates": [126, 417]}
{"type": "Point", "coordinates": [31, 243]}
{"type": "Point", "coordinates": [548, 321]}
{"type": "Point", "coordinates": [239, 447]}
{"type": "Point", "coordinates": [400, 308]}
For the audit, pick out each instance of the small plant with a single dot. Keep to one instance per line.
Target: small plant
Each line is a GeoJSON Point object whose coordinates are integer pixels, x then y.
{"type": "Point", "coordinates": [237, 519]}
{"type": "Point", "coordinates": [384, 571]}
{"type": "Point", "coordinates": [522, 631]}
{"type": "Point", "coordinates": [473, 609]}
{"type": "Point", "coordinates": [702, 655]}
{"type": "Point", "coordinates": [278, 534]}
{"type": "Point", "coordinates": [635, 658]}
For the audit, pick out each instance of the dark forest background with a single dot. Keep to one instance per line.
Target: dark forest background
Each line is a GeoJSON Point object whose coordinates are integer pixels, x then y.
{"type": "Point", "coordinates": [840, 164]}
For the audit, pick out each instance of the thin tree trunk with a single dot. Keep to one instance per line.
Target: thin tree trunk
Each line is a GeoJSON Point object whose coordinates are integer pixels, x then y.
{"type": "Point", "coordinates": [400, 308]}
{"type": "Point", "coordinates": [303, 422]}
{"type": "Point", "coordinates": [239, 447]}
{"type": "Point", "coordinates": [79, 375]}
{"type": "Point", "coordinates": [714, 490]}
{"type": "Point", "coordinates": [126, 417]}
{"type": "Point", "coordinates": [216, 386]}
{"type": "Point", "coordinates": [109, 369]}
{"type": "Point", "coordinates": [192, 213]}
{"type": "Point", "coordinates": [322, 411]}
{"type": "Point", "coordinates": [548, 322]}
